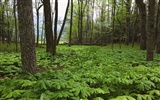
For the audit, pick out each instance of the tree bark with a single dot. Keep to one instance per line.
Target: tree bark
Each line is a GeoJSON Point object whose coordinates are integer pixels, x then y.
{"type": "Point", "coordinates": [27, 38]}
{"type": "Point", "coordinates": [158, 30]}
{"type": "Point", "coordinates": [150, 33]}
{"type": "Point", "coordinates": [48, 27]}
{"type": "Point", "coordinates": [142, 9]}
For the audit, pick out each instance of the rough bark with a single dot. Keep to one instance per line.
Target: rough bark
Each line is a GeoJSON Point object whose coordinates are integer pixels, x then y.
{"type": "Point", "coordinates": [27, 38]}
{"type": "Point", "coordinates": [158, 30]}
{"type": "Point", "coordinates": [150, 33]}
{"type": "Point", "coordinates": [142, 9]}
{"type": "Point", "coordinates": [48, 27]}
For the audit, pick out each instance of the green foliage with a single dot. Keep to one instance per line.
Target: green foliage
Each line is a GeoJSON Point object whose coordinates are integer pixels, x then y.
{"type": "Point", "coordinates": [82, 73]}
{"type": "Point", "coordinates": [11, 47]}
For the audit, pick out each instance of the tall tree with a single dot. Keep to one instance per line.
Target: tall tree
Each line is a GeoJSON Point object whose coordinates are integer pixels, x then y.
{"type": "Point", "coordinates": [113, 21]}
{"type": "Point", "coordinates": [71, 20]}
{"type": "Point", "coordinates": [2, 23]}
{"type": "Point", "coordinates": [158, 30]}
{"type": "Point", "coordinates": [55, 26]}
{"type": "Point", "coordinates": [92, 22]}
{"type": "Point", "coordinates": [15, 23]}
{"type": "Point", "coordinates": [142, 10]}
{"type": "Point", "coordinates": [79, 22]}
{"type": "Point", "coordinates": [48, 27]}
{"type": "Point", "coordinates": [27, 38]}
{"type": "Point", "coordinates": [150, 32]}
{"type": "Point", "coordinates": [38, 6]}
{"type": "Point", "coordinates": [128, 6]}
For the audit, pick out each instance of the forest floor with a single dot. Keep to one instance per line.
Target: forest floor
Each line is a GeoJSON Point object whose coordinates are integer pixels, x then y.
{"type": "Point", "coordinates": [82, 73]}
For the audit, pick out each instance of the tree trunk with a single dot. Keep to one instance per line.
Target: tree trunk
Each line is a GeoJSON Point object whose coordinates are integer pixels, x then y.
{"type": "Point", "coordinates": [113, 23]}
{"type": "Point", "coordinates": [134, 23]}
{"type": "Point", "coordinates": [80, 4]}
{"type": "Point", "coordinates": [128, 6]}
{"type": "Point", "coordinates": [55, 25]}
{"type": "Point", "coordinates": [37, 12]}
{"type": "Point", "coordinates": [150, 33]}
{"type": "Point", "coordinates": [70, 33]}
{"type": "Point", "coordinates": [64, 21]}
{"type": "Point", "coordinates": [158, 30]}
{"type": "Point", "coordinates": [48, 27]}
{"type": "Point", "coordinates": [37, 44]}
{"type": "Point", "coordinates": [92, 25]}
{"type": "Point", "coordinates": [15, 24]}
{"type": "Point", "coordinates": [2, 26]}
{"type": "Point", "coordinates": [142, 9]}
{"type": "Point", "coordinates": [27, 38]}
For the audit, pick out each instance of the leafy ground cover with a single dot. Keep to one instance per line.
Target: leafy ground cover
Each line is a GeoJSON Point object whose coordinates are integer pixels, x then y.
{"type": "Point", "coordinates": [82, 73]}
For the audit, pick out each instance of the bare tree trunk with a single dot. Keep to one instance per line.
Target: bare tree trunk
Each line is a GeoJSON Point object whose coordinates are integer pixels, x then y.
{"type": "Point", "coordinates": [113, 23]}
{"type": "Point", "coordinates": [48, 27]}
{"type": "Point", "coordinates": [92, 25]}
{"type": "Point", "coordinates": [27, 38]}
{"type": "Point", "coordinates": [158, 30]}
{"type": "Point", "coordinates": [37, 10]}
{"type": "Point", "coordinates": [81, 29]}
{"type": "Point", "coordinates": [3, 31]}
{"type": "Point", "coordinates": [150, 33]}
{"type": "Point", "coordinates": [70, 33]}
{"type": "Point", "coordinates": [142, 9]}
{"type": "Point", "coordinates": [63, 24]}
{"type": "Point", "coordinates": [55, 25]}
{"type": "Point", "coordinates": [8, 28]}
{"type": "Point", "coordinates": [128, 6]}
{"type": "Point", "coordinates": [15, 23]}
{"type": "Point", "coordinates": [80, 21]}
{"type": "Point", "coordinates": [134, 25]}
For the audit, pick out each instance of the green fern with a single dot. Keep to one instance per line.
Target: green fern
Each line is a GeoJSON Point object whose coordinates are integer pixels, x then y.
{"type": "Point", "coordinates": [123, 98]}
{"type": "Point", "coordinates": [144, 97]}
{"type": "Point", "coordinates": [154, 92]}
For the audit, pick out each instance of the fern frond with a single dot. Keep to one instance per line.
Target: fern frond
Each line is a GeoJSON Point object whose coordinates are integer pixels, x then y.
{"type": "Point", "coordinates": [123, 98]}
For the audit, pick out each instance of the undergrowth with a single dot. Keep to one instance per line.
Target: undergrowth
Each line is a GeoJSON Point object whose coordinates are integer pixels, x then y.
{"type": "Point", "coordinates": [82, 73]}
